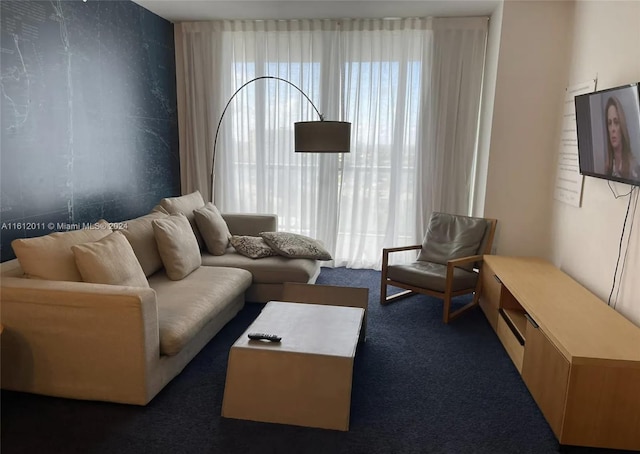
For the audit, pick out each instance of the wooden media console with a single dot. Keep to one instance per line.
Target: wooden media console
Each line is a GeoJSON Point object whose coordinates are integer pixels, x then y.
{"type": "Point", "coordinates": [579, 358]}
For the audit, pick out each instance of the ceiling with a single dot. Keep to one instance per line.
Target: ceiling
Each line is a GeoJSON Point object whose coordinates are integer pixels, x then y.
{"type": "Point", "coordinates": [202, 10]}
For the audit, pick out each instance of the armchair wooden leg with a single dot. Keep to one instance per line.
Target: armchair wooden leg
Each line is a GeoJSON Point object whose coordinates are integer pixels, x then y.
{"type": "Point", "coordinates": [384, 299]}
{"type": "Point", "coordinates": [466, 307]}
{"type": "Point", "coordinates": [383, 278]}
{"type": "Point", "coordinates": [476, 294]}
{"type": "Point", "coordinates": [462, 310]}
{"type": "Point", "coordinates": [383, 290]}
{"type": "Point", "coordinates": [446, 307]}
{"type": "Point", "coordinates": [397, 296]}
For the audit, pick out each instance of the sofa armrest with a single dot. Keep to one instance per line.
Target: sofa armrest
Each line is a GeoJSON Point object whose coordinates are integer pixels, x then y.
{"type": "Point", "coordinates": [78, 340]}
{"type": "Point", "coordinates": [250, 224]}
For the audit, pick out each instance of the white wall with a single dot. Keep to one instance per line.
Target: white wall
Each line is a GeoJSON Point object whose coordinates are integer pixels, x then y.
{"type": "Point", "coordinates": [486, 110]}
{"type": "Point", "coordinates": [542, 47]}
{"type": "Point", "coordinates": [531, 75]}
{"type": "Point", "coordinates": [606, 43]}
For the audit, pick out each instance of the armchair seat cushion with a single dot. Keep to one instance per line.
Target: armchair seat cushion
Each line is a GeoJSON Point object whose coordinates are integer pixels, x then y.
{"type": "Point", "coordinates": [432, 276]}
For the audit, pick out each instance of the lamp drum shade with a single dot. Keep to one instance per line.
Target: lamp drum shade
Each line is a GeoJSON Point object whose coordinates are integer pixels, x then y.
{"type": "Point", "coordinates": [322, 137]}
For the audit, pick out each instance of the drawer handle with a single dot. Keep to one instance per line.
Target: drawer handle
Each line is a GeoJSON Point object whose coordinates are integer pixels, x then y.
{"type": "Point", "coordinates": [495, 276]}
{"type": "Point", "coordinates": [532, 321]}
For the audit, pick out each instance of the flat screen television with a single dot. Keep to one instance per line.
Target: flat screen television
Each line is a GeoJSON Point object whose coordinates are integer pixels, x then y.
{"type": "Point", "coordinates": [608, 130]}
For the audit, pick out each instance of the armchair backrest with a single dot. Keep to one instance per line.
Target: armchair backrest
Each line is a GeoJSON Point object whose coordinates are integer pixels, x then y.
{"type": "Point", "coordinates": [487, 240]}
{"type": "Point", "coordinates": [451, 236]}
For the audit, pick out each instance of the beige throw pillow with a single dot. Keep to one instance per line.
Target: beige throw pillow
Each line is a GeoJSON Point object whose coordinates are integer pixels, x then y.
{"type": "Point", "coordinates": [186, 204]}
{"type": "Point", "coordinates": [293, 245]}
{"type": "Point", "coordinates": [213, 228]}
{"type": "Point", "coordinates": [158, 209]}
{"type": "Point", "coordinates": [140, 234]}
{"type": "Point", "coordinates": [177, 246]}
{"type": "Point", "coordinates": [50, 256]}
{"type": "Point", "coordinates": [110, 260]}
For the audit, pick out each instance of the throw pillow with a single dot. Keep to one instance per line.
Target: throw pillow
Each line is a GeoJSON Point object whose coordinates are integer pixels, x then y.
{"type": "Point", "coordinates": [158, 209]}
{"type": "Point", "coordinates": [293, 245]}
{"type": "Point", "coordinates": [186, 204]}
{"type": "Point", "coordinates": [140, 234]}
{"type": "Point", "coordinates": [252, 246]}
{"type": "Point", "coordinates": [110, 260]}
{"type": "Point", "coordinates": [213, 228]}
{"type": "Point", "coordinates": [177, 246]}
{"type": "Point", "coordinates": [50, 256]}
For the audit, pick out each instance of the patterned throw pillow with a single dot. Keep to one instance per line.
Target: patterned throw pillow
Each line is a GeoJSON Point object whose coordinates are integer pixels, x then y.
{"type": "Point", "coordinates": [252, 246]}
{"type": "Point", "coordinates": [293, 245]}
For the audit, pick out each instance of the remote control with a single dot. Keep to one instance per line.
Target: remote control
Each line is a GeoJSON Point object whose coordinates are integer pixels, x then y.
{"type": "Point", "coordinates": [263, 336]}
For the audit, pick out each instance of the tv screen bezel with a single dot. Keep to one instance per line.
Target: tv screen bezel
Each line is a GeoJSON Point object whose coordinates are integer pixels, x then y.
{"type": "Point", "coordinates": [581, 149]}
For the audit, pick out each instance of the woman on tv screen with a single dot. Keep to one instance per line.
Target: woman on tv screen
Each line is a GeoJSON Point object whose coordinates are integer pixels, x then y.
{"type": "Point", "coordinates": [620, 161]}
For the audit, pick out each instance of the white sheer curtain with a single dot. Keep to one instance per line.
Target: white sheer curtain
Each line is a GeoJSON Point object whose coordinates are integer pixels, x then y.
{"type": "Point", "coordinates": [383, 62]}
{"type": "Point", "coordinates": [410, 87]}
{"type": "Point", "coordinates": [198, 87]}
{"type": "Point", "coordinates": [256, 168]}
{"type": "Point", "coordinates": [451, 117]}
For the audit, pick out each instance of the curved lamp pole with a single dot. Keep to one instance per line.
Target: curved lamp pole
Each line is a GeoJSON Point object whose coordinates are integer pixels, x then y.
{"type": "Point", "coordinates": [310, 136]}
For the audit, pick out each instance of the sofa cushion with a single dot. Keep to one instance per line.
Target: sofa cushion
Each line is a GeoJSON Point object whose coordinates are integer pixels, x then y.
{"type": "Point", "coordinates": [250, 224]}
{"type": "Point", "coordinates": [186, 204]}
{"type": "Point", "coordinates": [110, 260]}
{"type": "Point", "coordinates": [177, 246]}
{"type": "Point", "coordinates": [50, 256]}
{"type": "Point", "coordinates": [139, 233]}
{"type": "Point", "coordinates": [267, 270]}
{"type": "Point", "coordinates": [293, 245]}
{"type": "Point", "coordinates": [253, 247]}
{"type": "Point", "coordinates": [186, 306]}
{"type": "Point", "coordinates": [213, 228]}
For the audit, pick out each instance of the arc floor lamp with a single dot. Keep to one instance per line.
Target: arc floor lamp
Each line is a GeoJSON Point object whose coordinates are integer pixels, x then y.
{"type": "Point", "coordinates": [309, 136]}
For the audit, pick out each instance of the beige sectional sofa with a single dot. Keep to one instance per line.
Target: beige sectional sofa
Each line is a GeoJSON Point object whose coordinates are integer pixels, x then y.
{"type": "Point", "coordinates": [123, 343]}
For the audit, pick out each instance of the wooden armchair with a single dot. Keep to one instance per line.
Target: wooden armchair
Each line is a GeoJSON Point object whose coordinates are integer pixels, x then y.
{"type": "Point", "coordinates": [448, 264]}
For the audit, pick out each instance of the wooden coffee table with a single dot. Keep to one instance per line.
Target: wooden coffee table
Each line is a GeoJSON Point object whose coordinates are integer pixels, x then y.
{"type": "Point", "coordinates": [305, 379]}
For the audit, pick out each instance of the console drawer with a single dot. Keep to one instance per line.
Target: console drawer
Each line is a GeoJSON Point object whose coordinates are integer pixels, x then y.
{"type": "Point", "coordinates": [511, 344]}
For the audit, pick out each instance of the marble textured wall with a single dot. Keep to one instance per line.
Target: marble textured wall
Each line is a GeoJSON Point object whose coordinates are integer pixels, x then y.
{"type": "Point", "coordinates": [89, 117]}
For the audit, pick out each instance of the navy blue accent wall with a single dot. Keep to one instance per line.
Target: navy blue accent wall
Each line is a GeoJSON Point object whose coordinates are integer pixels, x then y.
{"type": "Point", "coordinates": [89, 116]}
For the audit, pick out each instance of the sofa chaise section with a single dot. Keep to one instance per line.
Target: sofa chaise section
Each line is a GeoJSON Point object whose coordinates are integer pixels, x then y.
{"type": "Point", "coordinates": [269, 273]}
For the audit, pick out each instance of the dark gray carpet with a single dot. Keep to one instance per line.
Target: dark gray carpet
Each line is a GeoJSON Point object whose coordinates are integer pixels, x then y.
{"type": "Point", "coordinates": [419, 387]}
